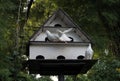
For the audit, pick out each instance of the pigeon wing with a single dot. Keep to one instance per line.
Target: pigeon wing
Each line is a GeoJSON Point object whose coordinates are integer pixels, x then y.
{"type": "Point", "coordinates": [68, 30]}
{"type": "Point", "coordinates": [64, 37]}
{"type": "Point", "coordinates": [59, 32]}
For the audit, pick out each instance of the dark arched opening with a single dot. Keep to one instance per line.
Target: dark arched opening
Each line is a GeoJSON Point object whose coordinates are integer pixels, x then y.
{"type": "Point", "coordinates": [60, 57]}
{"type": "Point", "coordinates": [46, 39]}
{"type": "Point", "coordinates": [58, 25]}
{"type": "Point", "coordinates": [40, 57]}
{"type": "Point", "coordinates": [71, 39]}
{"type": "Point", "coordinates": [80, 57]}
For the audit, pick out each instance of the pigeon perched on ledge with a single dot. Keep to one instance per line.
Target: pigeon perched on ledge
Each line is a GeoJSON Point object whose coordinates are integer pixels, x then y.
{"type": "Point", "coordinates": [89, 52]}
{"type": "Point", "coordinates": [51, 36]}
{"type": "Point", "coordinates": [60, 36]}
{"type": "Point", "coordinates": [63, 36]}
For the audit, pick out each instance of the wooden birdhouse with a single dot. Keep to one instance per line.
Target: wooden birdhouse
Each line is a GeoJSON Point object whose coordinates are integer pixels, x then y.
{"type": "Point", "coordinates": [60, 47]}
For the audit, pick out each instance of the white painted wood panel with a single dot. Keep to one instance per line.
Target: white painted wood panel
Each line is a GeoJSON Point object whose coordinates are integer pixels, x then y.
{"type": "Point", "coordinates": [53, 51]}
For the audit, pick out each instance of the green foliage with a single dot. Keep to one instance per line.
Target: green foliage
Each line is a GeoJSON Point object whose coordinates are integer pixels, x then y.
{"type": "Point", "coordinates": [105, 70]}
{"type": "Point", "coordinates": [40, 11]}
{"type": "Point", "coordinates": [44, 78]}
{"type": "Point", "coordinates": [77, 78]}
{"type": "Point", "coordinates": [100, 19]}
{"type": "Point", "coordinates": [4, 75]}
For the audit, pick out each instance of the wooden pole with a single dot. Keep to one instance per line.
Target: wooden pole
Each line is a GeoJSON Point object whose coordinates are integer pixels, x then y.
{"type": "Point", "coordinates": [60, 77]}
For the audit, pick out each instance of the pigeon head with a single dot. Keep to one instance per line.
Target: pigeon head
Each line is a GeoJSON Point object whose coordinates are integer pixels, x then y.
{"type": "Point", "coordinates": [47, 32]}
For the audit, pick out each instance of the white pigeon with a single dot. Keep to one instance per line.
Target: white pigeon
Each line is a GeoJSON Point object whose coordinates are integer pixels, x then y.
{"type": "Point", "coordinates": [63, 36]}
{"type": "Point", "coordinates": [51, 36]}
{"type": "Point", "coordinates": [89, 52]}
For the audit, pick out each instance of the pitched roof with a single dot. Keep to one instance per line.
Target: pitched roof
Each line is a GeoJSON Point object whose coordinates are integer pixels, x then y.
{"type": "Point", "coordinates": [61, 17]}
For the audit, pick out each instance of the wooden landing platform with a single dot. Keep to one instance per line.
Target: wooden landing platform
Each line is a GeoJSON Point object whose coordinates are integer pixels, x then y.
{"type": "Point", "coordinates": [59, 67]}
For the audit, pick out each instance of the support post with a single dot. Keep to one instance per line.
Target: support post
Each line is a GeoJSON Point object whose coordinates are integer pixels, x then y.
{"type": "Point", "coordinates": [60, 77]}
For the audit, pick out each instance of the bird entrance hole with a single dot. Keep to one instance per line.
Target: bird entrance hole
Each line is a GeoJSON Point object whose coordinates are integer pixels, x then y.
{"type": "Point", "coordinates": [58, 25]}
{"type": "Point", "coordinates": [60, 57]}
{"type": "Point", "coordinates": [40, 57]}
{"type": "Point", "coordinates": [46, 39]}
{"type": "Point", "coordinates": [80, 57]}
{"type": "Point", "coordinates": [71, 39]}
